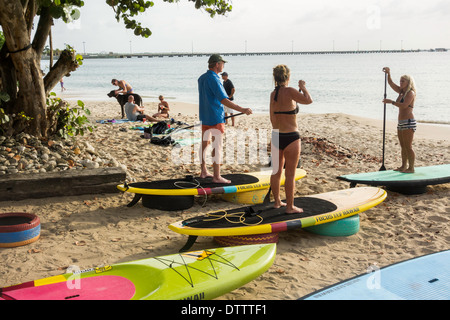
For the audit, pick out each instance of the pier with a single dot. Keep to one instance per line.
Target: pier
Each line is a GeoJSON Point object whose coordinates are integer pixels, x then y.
{"type": "Point", "coordinates": [174, 54]}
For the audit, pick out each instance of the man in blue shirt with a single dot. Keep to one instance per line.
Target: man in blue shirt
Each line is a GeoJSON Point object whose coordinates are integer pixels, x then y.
{"type": "Point", "coordinates": [212, 98]}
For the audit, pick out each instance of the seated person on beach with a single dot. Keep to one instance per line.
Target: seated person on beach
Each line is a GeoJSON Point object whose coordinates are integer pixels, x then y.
{"type": "Point", "coordinates": [163, 109]}
{"type": "Point", "coordinates": [135, 112]}
{"type": "Point", "coordinates": [125, 87]}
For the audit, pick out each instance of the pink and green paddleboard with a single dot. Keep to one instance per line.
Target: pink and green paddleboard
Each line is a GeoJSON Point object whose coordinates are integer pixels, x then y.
{"type": "Point", "coordinates": [204, 274]}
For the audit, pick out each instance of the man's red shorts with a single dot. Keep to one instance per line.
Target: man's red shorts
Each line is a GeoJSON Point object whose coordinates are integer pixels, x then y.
{"type": "Point", "coordinates": [219, 126]}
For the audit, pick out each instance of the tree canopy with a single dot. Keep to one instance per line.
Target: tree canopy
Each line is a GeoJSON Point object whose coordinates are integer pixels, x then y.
{"type": "Point", "coordinates": [21, 77]}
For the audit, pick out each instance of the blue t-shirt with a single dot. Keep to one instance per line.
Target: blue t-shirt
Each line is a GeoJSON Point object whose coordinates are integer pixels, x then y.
{"type": "Point", "coordinates": [211, 92]}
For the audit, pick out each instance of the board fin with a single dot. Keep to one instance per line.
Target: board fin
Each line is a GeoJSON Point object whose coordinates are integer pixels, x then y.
{"type": "Point", "coordinates": [189, 243]}
{"type": "Point", "coordinates": [267, 197]}
{"type": "Point", "coordinates": [135, 200]}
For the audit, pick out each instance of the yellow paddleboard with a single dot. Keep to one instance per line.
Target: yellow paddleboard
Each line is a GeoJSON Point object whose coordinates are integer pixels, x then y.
{"type": "Point", "coordinates": [264, 218]}
{"type": "Point", "coordinates": [204, 186]}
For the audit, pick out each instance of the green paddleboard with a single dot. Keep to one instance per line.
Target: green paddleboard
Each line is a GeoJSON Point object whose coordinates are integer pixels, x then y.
{"type": "Point", "coordinates": [195, 275]}
{"type": "Point", "coordinates": [410, 183]}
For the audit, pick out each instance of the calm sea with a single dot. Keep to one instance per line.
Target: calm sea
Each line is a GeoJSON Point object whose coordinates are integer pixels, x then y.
{"type": "Point", "coordinates": [339, 83]}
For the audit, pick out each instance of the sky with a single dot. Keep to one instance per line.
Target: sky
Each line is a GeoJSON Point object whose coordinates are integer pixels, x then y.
{"type": "Point", "coordinates": [264, 26]}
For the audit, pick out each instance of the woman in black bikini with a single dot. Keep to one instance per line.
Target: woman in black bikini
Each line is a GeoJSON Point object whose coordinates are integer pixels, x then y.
{"type": "Point", "coordinates": [406, 122]}
{"type": "Point", "coordinates": [285, 135]}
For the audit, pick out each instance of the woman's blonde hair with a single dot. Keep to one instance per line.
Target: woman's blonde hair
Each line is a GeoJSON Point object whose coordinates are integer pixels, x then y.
{"type": "Point", "coordinates": [281, 74]}
{"type": "Point", "coordinates": [411, 84]}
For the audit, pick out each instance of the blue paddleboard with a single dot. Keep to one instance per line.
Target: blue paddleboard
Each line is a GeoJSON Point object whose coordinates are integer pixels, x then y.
{"type": "Point", "coordinates": [422, 278]}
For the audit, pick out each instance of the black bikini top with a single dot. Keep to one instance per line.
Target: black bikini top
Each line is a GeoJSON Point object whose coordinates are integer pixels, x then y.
{"type": "Point", "coordinates": [294, 111]}
{"type": "Point", "coordinates": [403, 100]}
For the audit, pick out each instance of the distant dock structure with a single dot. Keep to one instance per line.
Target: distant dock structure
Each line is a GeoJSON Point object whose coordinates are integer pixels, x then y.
{"type": "Point", "coordinates": [181, 54]}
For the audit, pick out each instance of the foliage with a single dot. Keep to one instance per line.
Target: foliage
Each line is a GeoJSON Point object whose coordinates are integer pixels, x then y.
{"type": "Point", "coordinates": [4, 118]}
{"type": "Point", "coordinates": [67, 121]}
{"type": "Point", "coordinates": [78, 57]}
{"type": "Point", "coordinates": [127, 9]}
{"type": "Point", "coordinates": [20, 27]}
{"type": "Point", "coordinates": [20, 120]}
{"type": "Point", "coordinates": [62, 9]}
{"type": "Point", "coordinates": [2, 39]}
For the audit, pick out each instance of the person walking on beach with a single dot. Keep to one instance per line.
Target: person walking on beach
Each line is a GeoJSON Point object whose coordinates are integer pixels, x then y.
{"type": "Point", "coordinates": [406, 122]}
{"type": "Point", "coordinates": [230, 90]}
{"type": "Point", "coordinates": [125, 87]}
{"type": "Point", "coordinates": [62, 84]}
{"type": "Point", "coordinates": [212, 99]}
{"type": "Point", "coordinates": [286, 144]}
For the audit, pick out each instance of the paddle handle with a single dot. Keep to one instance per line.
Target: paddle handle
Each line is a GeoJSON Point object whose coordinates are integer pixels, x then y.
{"type": "Point", "coordinates": [234, 115]}
{"type": "Point", "coordinates": [195, 125]}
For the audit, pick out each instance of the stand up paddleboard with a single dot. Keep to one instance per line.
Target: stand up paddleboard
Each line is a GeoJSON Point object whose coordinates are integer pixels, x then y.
{"type": "Point", "coordinates": [422, 278]}
{"type": "Point", "coordinates": [178, 194]}
{"type": "Point", "coordinates": [196, 275]}
{"type": "Point", "coordinates": [265, 219]}
{"type": "Point", "coordinates": [406, 183]}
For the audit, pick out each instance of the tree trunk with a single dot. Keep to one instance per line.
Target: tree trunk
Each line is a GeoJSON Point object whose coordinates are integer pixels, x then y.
{"type": "Point", "coordinates": [20, 67]}
{"type": "Point", "coordinates": [29, 99]}
{"type": "Point", "coordinates": [65, 64]}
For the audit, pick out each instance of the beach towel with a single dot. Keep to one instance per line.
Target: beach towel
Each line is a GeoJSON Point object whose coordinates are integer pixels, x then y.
{"type": "Point", "coordinates": [114, 121]}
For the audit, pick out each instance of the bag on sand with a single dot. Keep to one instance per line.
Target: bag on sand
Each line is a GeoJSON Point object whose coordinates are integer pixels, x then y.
{"type": "Point", "coordinates": [159, 128]}
{"type": "Point", "coordinates": [162, 141]}
{"type": "Point", "coordinates": [147, 133]}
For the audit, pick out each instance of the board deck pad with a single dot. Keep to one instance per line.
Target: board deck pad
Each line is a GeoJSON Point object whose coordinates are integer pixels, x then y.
{"type": "Point", "coordinates": [422, 177]}
{"type": "Point", "coordinates": [264, 218]}
{"type": "Point", "coordinates": [204, 186]}
{"type": "Point", "coordinates": [236, 179]}
{"type": "Point", "coordinates": [422, 278]}
{"type": "Point", "coordinates": [265, 213]}
{"type": "Point", "coordinates": [195, 275]}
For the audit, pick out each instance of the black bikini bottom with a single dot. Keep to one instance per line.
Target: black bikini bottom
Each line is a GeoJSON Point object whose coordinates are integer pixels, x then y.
{"type": "Point", "coordinates": [282, 139]}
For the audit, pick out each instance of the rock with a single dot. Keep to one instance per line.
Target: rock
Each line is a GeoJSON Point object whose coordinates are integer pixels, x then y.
{"type": "Point", "coordinates": [27, 154]}
{"type": "Point", "coordinates": [89, 164]}
{"type": "Point", "coordinates": [89, 148]}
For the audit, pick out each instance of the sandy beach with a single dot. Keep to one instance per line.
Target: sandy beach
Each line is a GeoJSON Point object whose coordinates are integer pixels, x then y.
{"type": "Point", "coordinates": [94, 230]}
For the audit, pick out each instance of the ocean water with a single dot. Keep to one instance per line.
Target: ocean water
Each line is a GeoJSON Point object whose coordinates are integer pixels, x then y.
{"type": "Point", "coordinates": [338, 83]}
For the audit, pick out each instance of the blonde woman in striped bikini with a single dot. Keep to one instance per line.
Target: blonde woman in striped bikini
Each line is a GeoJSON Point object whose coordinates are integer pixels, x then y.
{"type": "Point", "coordinates": [406, 122]}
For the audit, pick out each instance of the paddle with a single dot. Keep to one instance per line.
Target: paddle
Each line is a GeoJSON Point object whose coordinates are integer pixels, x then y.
{"type": "Point", "coordinates": [383, 168]}
{"type": "Point", "coordinates": [195, 125]}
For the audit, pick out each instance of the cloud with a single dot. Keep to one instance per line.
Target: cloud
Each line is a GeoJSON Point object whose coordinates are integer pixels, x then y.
{"type": "Point", "coordinates": [264, 26]}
